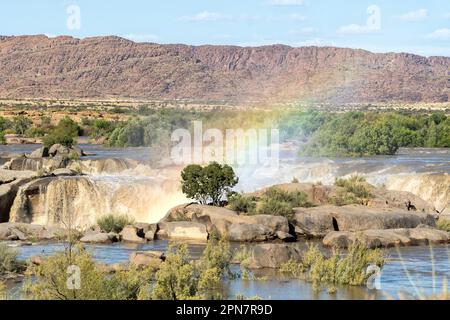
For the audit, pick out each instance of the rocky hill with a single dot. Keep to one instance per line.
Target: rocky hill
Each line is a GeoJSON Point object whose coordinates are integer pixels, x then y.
{"type": "Point", "coordinates": [112, 67]}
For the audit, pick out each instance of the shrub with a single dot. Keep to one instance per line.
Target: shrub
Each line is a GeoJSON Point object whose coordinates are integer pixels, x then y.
{"type": "Point", "coordinates": [338, 269]}
{"type": "Point", "coordinates": [343, 198]}
{"type": "Point", "coordinates": [181, 279]}
{"type": "Point", "coordinates": [21, 124]}
{"type": "Point", "coordinates": [278, 202]}
{"type": "Point", "coordinates": [64, 133]}
{"type": "Point", "coordinates": [296, 199]}
{"type": "Point", "coordinates": [356, 185]}
{"type": "Point", "coordinates": [114, 223]}
{"type": "Point", "coordinates": [444, 225]}
{"type": "Point", "coordinates": [241, 203]}
{"type": "Point", "coordinates": [209, 184]}
{"type": "Point", "coordinates": [58, 137]}
{"type": "Point", "coordinates": [213, 266]}
{"type": "Point", "coordinates": [295, 180]}
{"type": "Point", "coordinates": [49, 280]}
{"type": "Point", "coordinates": [8, 261]}
{"type": "Point", "coordinates": [277, 208]}
{"type": "Point", "coordinates": [35, 132]}
{"type": "Point", "coordinates": [176, 279]}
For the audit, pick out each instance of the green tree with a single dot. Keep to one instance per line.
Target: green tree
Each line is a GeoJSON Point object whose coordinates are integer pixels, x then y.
{"type": "Point", "coordinates": [64, 133]}
{"type": "Point", "coordinates": [209, 184]}
{"type": "Point", "coordinates": [21, 124]}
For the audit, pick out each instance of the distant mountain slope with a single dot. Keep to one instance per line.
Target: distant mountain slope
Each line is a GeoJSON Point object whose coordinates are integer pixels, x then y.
{"type": "Point", "coordinates": [102, 67]}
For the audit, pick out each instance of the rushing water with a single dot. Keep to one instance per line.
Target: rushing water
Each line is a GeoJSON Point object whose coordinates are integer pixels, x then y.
{"type": "Point", "coordinates": [414, 272]}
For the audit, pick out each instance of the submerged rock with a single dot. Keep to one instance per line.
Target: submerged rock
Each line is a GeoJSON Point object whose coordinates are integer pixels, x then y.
{"type": "Point", "coordinates": [142, 259]}
{"type": "Point", "coordinates": [100, 237]}
{"type": "Point", "coordinates": [272, 255]}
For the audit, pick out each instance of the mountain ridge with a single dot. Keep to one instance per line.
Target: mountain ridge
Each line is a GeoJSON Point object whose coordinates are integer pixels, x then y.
{"type": "Point", "coordinates": [114, 67]}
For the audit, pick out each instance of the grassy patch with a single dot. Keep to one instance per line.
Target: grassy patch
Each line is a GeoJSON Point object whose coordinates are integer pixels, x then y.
{"type": "Point", "coordinates": [355, 190]}
{"type": "Point", "coordinates": [444, 225]}
{"type": "Point", "coordinates": [114, 223]}
{"type": "Point", "coordinates": [281, 203]}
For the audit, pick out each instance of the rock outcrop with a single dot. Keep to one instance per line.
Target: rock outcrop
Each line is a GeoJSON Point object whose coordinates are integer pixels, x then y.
{"type": "Point", "coordinates": [183, 230]}
{"type": "Point", "coordinates": [133, 234]}
{"type": "Point", "coordinates": [434, 188]}
{"type": "Point", "coordinates": [10, 183]}
{"type": "Point", "coordinates": [28, 232]}
{"type": "Point", "coordinates": [319, 221]}
{"type": "Point", "coordinates": [421, 235]}
{"type": "Point", "coordinates": [229, 224]}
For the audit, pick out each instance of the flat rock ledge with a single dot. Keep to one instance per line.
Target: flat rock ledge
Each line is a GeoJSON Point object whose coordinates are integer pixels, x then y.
{"type": "Point", "coordinates": [421, 235]}
{"type": "Point", "coordinates": [318, 222]}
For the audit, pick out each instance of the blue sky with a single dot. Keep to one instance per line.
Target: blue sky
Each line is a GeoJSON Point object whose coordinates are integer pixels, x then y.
{"type": "Point", "coordinates": [417, 26]}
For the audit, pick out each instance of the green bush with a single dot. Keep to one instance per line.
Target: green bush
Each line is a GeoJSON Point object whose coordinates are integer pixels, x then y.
{"type": "Point", "coordinates": [58, 137]}
{"type": "Point", "coordinates": [48, 281]}
{"type": "Point", "coordinates": [21, 124]}
{"type": "Point", "coordinates": [8, 261]}
{"type": "Point", "coordinates": [242, 203]}
{"type": "Point", "coordinates": [296, 199]}
{"type": "Point", "coordinates": [35, 132]}
{"type": "Point", "coordinates": [356, 185]}
{"type": "Point", "coordinates": [339, 268]}
{"type": "Point", "coordinates": [114, 223]}
{"type": "Point", "coordinates": [276, 208]}
{"type": "Point", "coordinates": [64, 133]}
{"type": "Point", "coordinates": [181, 279]}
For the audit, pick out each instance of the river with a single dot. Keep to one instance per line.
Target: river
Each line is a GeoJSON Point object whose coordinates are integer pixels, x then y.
{"type": "Point", "coordinates": [410, 272]}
